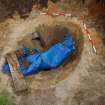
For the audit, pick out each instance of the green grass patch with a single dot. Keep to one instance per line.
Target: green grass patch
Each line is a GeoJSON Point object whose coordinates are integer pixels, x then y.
{"type": "Point", "coordinates": [6, 98]}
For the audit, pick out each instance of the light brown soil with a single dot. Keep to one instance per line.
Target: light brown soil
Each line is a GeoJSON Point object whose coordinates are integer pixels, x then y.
{"type": "Point", "coordinates": [81, 84]}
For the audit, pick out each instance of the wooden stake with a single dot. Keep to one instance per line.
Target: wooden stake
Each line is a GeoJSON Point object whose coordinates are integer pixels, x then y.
{"type": "Point", "coordinates": [18, 79]}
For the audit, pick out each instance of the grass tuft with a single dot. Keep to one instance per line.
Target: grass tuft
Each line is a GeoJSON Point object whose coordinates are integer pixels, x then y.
{"type": "Point", "coordinates": [6, 98]}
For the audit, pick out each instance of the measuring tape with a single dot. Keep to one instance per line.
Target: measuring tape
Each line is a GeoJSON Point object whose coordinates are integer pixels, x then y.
{"type": "Point", "coordinates": [56, 14]}
{"type": "Point", "coordinates": [89, 37]}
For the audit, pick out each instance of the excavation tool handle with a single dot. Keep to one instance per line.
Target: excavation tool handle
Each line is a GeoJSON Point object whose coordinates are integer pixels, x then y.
{"type": "Point", "coordinates": [19, 83]}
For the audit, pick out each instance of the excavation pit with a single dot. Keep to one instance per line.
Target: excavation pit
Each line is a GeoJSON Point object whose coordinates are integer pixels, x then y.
{"type": "Point", "coordinates": [50, 78]}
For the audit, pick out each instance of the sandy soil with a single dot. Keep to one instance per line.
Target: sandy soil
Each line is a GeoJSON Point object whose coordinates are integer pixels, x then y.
{"type": "Point", "coordinates": [83, 86]}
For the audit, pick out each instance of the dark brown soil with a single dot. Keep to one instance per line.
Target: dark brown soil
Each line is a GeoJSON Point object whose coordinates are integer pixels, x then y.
{"type": "Point", "coordinates": [4, 12]}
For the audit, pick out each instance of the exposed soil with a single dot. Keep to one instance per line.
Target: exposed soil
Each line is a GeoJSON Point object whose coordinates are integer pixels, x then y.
{"type": "Point", "coordinates": [57, 30]}
{"type": "Point", "coordinates": [79, 81]}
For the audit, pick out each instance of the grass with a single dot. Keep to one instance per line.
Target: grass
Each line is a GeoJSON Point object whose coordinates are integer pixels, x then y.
{"type": "Point", "coordinates": [6, 98]}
